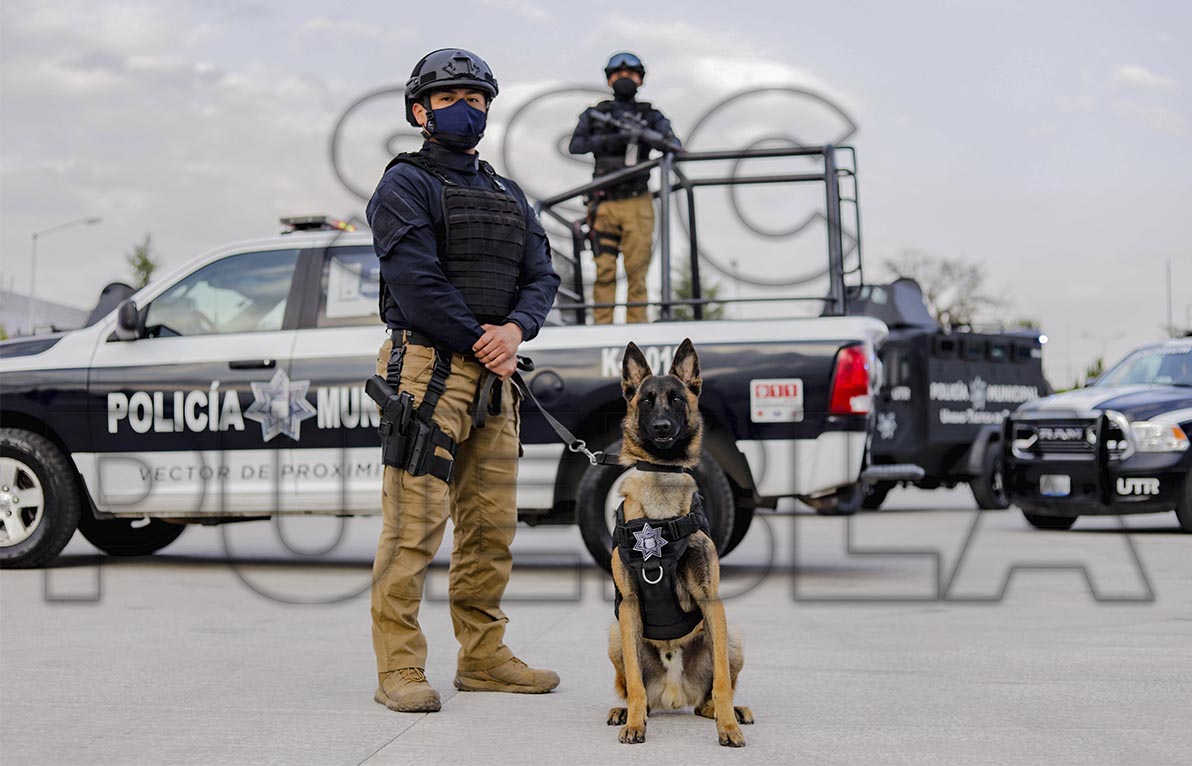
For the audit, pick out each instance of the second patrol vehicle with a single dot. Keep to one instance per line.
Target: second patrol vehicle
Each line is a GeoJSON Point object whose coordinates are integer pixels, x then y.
{"type": "Point", "coordinates": [944, 395]}
{"type": "Point", "coordinates": [1118, 446]}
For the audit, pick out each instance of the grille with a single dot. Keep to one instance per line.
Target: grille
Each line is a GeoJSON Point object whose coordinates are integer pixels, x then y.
{"type": "Point", "coordinates": [1055, 438]}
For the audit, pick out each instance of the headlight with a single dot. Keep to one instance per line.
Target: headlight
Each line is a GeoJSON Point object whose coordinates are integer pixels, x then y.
{"type": "Point", "coordinates": [1158, 437]}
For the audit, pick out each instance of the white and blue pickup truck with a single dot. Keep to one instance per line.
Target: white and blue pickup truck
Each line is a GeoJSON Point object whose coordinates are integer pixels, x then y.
{"type": "Point", "coordinates": [1118, 446]}
{"type": "Point", "coordinates": [233, 388]}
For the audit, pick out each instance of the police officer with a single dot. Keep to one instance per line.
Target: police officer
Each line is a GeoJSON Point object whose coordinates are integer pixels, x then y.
{"type": "Point", "coordinates": [624, 214]}
{"type": "Point", "coordinates": [466, 278]}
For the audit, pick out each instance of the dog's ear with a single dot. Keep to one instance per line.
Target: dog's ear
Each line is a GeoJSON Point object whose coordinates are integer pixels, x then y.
{"type": "Point", "coordinates": [634, 369]}
{"type": "Point", "coordinates": [685, 366]}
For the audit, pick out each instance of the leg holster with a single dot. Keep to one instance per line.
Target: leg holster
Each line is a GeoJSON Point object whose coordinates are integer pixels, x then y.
{"type": "Point", "coordinates": [409, 434]}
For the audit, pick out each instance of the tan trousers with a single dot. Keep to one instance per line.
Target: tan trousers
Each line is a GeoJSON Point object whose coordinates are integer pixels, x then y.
{"type": "Point", "coordinates": [628, 225]}
{"type": "Point", "coordinates": [481, 502]}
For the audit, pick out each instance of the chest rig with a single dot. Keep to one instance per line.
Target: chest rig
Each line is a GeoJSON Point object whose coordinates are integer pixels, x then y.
{"type": "Point", "coordinates": [652, 549]}
{"type": "Point", "coordinates": [609, 163]}
{"type": "Point", "coordinates": [481, 244]}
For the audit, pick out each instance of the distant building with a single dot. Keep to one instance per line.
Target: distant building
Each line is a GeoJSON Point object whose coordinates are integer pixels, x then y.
{"type": "Point", "coordinates": [47, 315]}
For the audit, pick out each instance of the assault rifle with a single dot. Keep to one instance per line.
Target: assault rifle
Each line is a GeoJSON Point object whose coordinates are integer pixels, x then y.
{"type": "Point", "coordinates": [633, 127]}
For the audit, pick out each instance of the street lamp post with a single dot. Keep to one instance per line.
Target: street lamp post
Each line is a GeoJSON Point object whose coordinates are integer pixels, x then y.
{"type": "Point", "coordinates": [33, 267]}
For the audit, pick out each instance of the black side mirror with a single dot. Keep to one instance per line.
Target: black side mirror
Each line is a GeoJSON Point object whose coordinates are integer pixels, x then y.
{"type": "Point", "coordinates": [128, 321]}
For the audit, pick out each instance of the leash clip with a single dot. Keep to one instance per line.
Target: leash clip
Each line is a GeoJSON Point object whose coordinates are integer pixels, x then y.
{"type": "Point", "coordinates": [579, 445]}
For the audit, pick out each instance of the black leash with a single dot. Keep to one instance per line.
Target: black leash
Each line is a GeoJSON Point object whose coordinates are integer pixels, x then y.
{"type": "Point", "coordinates": [573, 443]}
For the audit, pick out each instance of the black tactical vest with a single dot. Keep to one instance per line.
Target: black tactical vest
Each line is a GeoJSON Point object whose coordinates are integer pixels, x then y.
{"type": "Point", "coordinates": [610, 163]}
{"type": "Point", "coordinates": [654, 577]}
{"type": "Point", "coordinates": [482, 245]}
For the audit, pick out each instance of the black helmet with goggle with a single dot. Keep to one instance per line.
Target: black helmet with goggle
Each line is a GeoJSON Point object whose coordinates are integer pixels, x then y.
{"type": "Point", "coordinates": [624, 60]}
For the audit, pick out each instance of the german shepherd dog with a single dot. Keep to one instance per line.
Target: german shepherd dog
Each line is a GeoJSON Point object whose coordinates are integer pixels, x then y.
{"type": "Point", "coordinates": [663, 426]}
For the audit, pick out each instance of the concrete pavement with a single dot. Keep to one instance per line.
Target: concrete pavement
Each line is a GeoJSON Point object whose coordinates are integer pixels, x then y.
{"type": "Point", "coordinates": [926, 656]}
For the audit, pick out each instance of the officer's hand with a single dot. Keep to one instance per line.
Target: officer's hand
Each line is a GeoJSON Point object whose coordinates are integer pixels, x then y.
{"type": "Point", "coordinates": [504, 369]}
{"type": "Point", "coordinates": [498, 344]}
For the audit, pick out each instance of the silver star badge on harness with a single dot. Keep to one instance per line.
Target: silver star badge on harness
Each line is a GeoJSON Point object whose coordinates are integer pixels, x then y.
{"type": "Point", "coordinates": [649, 542]}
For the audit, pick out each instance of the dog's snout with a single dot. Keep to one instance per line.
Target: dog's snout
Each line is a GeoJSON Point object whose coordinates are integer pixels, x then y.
{"type": "Point", "coordinates": [662, 427]}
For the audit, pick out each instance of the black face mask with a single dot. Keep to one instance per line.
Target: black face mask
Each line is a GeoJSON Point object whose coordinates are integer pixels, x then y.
{"type": "Point", "coordinates": [624, 88]}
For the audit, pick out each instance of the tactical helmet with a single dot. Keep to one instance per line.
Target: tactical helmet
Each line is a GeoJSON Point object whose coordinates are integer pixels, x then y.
{"type": "Point", "coordinates": [624, 60]}
{"type": "Point", "coordinates": [448, 68]}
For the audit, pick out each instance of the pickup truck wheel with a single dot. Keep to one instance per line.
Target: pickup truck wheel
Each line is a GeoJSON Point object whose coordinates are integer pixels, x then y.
{"type": "Point", "coordinates": [875, 495]}
{"type": "Point", "coordinates": [742, 519]}
{"type": "Point", "coordinates": [129, 537]}
{"type": "Point", "coordinates": [596, 505]}
{"type": "Point", "coordinates": [989, 489]}
{"type": "Point", "coordinates": [39, 499]}
{"type": "Point", "coordinates": [1183, 510]}
{"type": "Point", "coordinates": [1039, 521]}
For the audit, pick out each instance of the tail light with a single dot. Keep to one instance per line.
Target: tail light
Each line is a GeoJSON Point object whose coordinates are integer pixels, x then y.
{"type": "Point", "coordinates": [850, 383]}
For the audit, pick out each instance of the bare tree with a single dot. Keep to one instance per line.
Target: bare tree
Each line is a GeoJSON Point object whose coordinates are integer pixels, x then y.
{"type": "Point", "coordinates": [142, 262]}
{"type": "Point", "coordinates": [955, 290]}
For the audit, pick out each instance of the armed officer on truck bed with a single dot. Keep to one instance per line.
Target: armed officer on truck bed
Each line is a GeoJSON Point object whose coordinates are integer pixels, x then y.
{"type": "Point", "coordinates": [466, 278]}
{"type": "Point", "coordinates": [620, 133]}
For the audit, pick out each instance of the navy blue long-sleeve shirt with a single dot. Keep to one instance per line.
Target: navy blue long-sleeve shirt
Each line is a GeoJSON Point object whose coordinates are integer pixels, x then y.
{"type": "Point", "coordinates": [406, 212]}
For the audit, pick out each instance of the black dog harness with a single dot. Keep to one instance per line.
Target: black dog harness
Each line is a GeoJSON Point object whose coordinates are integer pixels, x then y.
{"type": "Point", "coordinates": [652, 549]}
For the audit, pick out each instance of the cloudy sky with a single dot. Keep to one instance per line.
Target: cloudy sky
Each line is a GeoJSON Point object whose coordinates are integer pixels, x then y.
{"type": "Point", "coordinates": [1051, 142]}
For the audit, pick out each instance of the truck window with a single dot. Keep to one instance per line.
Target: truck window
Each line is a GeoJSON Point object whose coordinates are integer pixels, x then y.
{"type": "Point", "coordinates": [350, 286]}
{"type": "Point", "coordinates": [241, 293]}
{"type": "Point", "coordinates": [945, 346]}
{"type": "Point", "coordinates": [973, 349]}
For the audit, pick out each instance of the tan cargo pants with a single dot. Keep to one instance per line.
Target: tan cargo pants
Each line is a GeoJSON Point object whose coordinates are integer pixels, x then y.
{"type": "Point", "coordinates": [481, 501]}
{"type": "Point", "coordinates": [627, 225]}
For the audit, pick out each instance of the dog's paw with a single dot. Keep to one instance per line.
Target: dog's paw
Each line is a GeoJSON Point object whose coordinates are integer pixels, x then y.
{"type": "Point", "coordinates": [744, 715]}
{"type": "Point", "coordinates": [632, 735]}
{"type": "Point", "coordinates": [731, 736]}
{"type": "Point", "coordinates": [618, 715]}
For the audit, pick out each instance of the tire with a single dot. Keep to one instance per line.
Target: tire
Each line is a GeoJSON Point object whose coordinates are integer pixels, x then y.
{"type": "Point", "coordinates": [38, 526]}
{"type": "Point", "coordinates": [989, 489]}
{"type": "Point", "coordinates": [742, 519]}
{"type": "Point", "coordinates": [122, 537]}
{"type": "Point", "coordinates": [1039, 521]}
{"type": "Point", "coordinates": [875, 495]}
{"type": "Point", "coordinates": [594, 520]}
{"type": "Point", "coordinates": [1183, 509]}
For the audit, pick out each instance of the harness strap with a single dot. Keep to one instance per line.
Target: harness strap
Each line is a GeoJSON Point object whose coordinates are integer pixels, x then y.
{"type": "Point", "coordinates": [438, 466]}
{"type": "Point", "coordinates": [437, 385]}
{"type": "Point", "coordinates": [418, 161]}
{"type": "Point", "coordinates": [672, 529]}
{"type": "Point", "coordinates": [492, 176]}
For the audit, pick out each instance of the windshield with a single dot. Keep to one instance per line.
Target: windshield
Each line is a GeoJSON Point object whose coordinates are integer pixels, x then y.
{"type": "Point", "coordinates": [1169, 365]}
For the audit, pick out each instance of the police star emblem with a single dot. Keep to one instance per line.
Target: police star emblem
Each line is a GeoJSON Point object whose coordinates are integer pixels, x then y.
{"type": "Point", "coordinates": [649, 542]}
{"type": "Point", "coordinates": [280, 406]}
